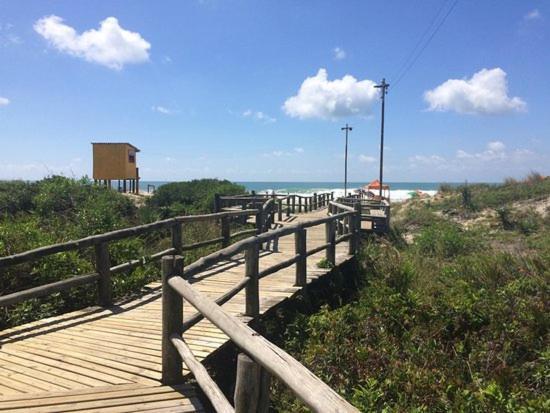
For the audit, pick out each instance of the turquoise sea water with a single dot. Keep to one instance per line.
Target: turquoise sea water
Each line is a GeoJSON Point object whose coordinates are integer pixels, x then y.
{"type": "Point", "coordinates": [399, 190]}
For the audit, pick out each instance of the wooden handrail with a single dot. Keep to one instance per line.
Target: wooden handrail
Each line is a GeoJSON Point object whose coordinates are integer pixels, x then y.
{"type": "Point", "coordinates": [46, 289]}
{"type": "Point", "coordinates": [113, 236]}
{"type": "Point", "coordinates": [226, 253]}
{"type": "Point", "coordinates": [209, 386]}
{"type": "Point", "coordinates": [104, 270]}
{"type": "Point", "coordinates": [316, 394]}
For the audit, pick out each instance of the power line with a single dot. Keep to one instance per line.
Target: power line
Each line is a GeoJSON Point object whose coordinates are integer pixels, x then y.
{"type": "Point", "coordinates": [421, 39]}
{"type": "Point", "coordinates": [411, 64]}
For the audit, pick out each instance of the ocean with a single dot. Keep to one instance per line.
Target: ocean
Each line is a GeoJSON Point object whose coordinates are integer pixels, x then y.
{"type": "Point", "coordinates": [399, 191]}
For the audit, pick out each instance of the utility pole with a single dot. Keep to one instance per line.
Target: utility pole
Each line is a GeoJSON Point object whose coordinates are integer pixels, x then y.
{"type": "Point", "coordinates": [347, 129]}
{"type": "Point", "coordinates": [384, 90]}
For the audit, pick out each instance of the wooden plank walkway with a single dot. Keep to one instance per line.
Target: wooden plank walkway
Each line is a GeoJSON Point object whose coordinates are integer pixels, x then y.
{"type": "Point", "coordinates": [109, 360]}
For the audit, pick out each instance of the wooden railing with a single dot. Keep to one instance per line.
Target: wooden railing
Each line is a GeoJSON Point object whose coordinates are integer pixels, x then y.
{"type": "Point", "coordinates": [100, 243]}
{"type": "Point", "coordinates": [375, 213]}
{"type": "Point", "coordinates": [260, 358]}
{"type": "Point", "coordinates": [286, 203]}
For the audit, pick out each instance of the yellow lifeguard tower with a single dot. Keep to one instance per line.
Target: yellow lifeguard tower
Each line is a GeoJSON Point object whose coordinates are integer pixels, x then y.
{"type": "Point", "coordinates": [116, 161]}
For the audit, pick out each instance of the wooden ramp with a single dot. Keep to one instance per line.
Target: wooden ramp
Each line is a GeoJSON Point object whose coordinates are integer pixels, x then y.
{"type": "Point", "coordinates": [109, 360]}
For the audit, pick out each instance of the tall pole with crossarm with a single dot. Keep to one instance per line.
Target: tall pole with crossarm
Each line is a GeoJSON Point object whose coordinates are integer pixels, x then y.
{"type": "Point", "coordinates": [347, 129]}
{"type": "Point", "coordinates": [383, 91]}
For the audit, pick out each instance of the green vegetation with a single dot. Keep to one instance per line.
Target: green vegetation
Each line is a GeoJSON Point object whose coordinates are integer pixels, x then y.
{"type": "Point", "coordinates": [185, 198]}
{"type": "Point", "coordinates": [453, 314]}
{"type": "Point", "coordinates": [480, 196]}
{"type": "Point", "coordinates": [57, 209]}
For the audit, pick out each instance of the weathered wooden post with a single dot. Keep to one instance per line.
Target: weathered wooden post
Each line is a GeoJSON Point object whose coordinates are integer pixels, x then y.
{"type": "Point", "coordinates": [172, 320]}
{"type": "Point", "coordinates": [356, 234]}
{"type": "Point", "coordinates": [252, 293]}
{"type": "Point", "coordinates": [299, 203]}
{"type": "Point", "coordinates": [288, 206]}
{"type": "Point", "coordinates": [217, 203]}
{"type": "Point", "coordinates": [251, 386]}
{"type": "Point", "coordinates": [259, 220]}
{"type": "Point", "coordinates": [280, 209]}
{"type": "Point", "coordinates": [293, 204]}
{"type": "Point", "coordinates": [177, 242]}
{"type": "Point", "coordinates": [330, 236]}
{"type": "Point", "coordinates": [332, 196]}
{"type": "Point", "coordinates": [225, 231]}
{"type": "Point", "coordinates": [300, 250]}
{"type": "Point", "coordinates": [315, 206]}
{"type": "Point", "coordinates": [103, 268]}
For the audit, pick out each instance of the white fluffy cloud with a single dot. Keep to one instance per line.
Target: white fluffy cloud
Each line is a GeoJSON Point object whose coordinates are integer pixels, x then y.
{"type": "Point", "coordinates": [495, 155]}
{"type": "Point", "coordinates": [367, 159]}
{"type": "Point", "coordinates": [533, 15]}
{"type": "Point", "coordinates": [486, 92]}
{"type": "Point", "coordinates": [258, 115]}
{"type": "Point", "coordinates": [110, 45]}
{"type": "Point", "coordinates": [4, 101]}
{"type": "Point", "coordinates": [321, 98]}
{"type": "Point", "coordinates": [162, 109]}
{"type": "Point", "coordinates": [496, 150]}
{"type": "Point", "coordinates": [339, 53]}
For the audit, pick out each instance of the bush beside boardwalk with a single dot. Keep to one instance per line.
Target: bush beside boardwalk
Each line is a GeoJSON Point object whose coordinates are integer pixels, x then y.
{"type": "Point", "coordinates": [453, 314]}
{"type": "Point", "coordinates": [57, 209]}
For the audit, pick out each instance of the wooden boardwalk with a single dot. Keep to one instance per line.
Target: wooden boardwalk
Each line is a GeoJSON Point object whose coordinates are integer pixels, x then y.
{"type": "Point", "coordinates": [109, 359]}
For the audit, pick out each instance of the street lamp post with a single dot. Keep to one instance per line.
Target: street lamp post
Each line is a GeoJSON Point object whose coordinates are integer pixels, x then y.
{"type": "Point", "coordinates": [383, 90]}
{"type": "Point", "coordinates": [347, 129]}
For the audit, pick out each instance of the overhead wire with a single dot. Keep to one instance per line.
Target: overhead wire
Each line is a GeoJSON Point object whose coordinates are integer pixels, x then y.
{"type": "Point", "coordinates": [411, 63]}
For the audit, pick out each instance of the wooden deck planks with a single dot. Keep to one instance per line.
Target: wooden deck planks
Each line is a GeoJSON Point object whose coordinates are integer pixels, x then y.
{"type": "Point", "coordinates": [109, 360]}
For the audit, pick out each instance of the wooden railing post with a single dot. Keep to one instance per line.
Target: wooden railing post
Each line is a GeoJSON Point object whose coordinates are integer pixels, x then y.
{"type": "Point", "coordinates": [293, 204]}
{"type": "Point", "coordinates": [103, 265]}
{"type": "Point", "coordinates": [259, 220]}
{"type": "Point", "coordinates": [356, 235]}
{"type": "Point", "coordinates": [217, 203]}
{"type": "Point", "coordinates": [288, 206]}
{"type": "Point", "coordinates": [330, 236]}
{"type": "Point", "coordinates": [225, 231]}
{"type": "Point", "coordinates": [177, 242]}
{"type": "Point", "coordinates": [340, 224]}
{"type": "Point", "coordinates": [314, 200]}
{"type": "Point", "coordinates": [299, 203]}
{"type": "Point", "coordinates": [251, 386]}
{"type": "Point", "coordinates": [172, 320]}
{"type": "Point", "coordinates": [301, 263]}
{"type": "Point", "coordinates": [252, 291]}
{"type": "Point", "coordinates": [279, 209]}
{"type": "Point", "coordinates": [357, 227]}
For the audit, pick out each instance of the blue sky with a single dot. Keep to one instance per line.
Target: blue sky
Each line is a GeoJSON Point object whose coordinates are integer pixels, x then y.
{"type": "Point", "coordinates": [258, 90]}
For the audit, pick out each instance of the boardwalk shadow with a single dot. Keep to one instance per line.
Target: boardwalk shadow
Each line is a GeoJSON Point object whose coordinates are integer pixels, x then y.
{"type": "Point", "coordinates": [91, 314]}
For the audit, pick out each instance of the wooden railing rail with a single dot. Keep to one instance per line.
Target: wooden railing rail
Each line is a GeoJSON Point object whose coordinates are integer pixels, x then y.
{"type": "Point", "coordinates": [262, 359]}
{"type": "Point", "coordinates": [377, 213]}
{"type": "Point", "coordinates": [291, 203]}
{"type": "Point", "coordinates": [104, 270]}
{"type": "Point", "coordinates": [296, 376]}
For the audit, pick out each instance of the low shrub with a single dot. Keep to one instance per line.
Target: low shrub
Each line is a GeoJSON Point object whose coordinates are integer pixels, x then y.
{"type": "Point", "coordinates": [180, 198]}
{"type": "Point", "coordinates": [445, 239]}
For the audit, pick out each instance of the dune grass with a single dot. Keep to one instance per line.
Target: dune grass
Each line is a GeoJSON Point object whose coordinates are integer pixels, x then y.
{"type": "Point", "coordinates": [456, 320]}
